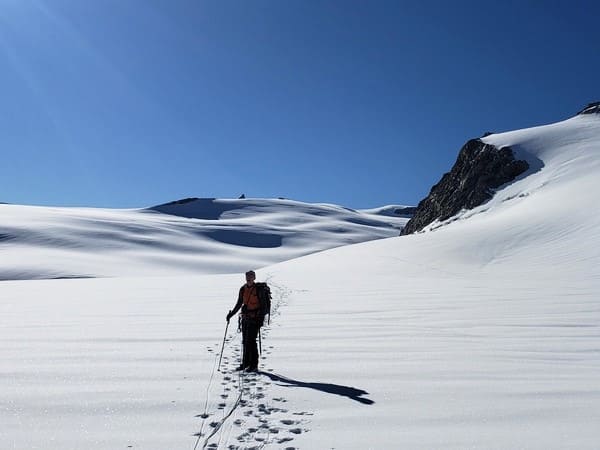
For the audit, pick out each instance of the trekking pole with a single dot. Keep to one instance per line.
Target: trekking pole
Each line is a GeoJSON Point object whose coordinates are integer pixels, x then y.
{"type": "Point", "coordinates": [243, 342]}
{"type": "Point", "coordinates": [259, 343]}
{"type": "Point", "coordinates": [223, 346]}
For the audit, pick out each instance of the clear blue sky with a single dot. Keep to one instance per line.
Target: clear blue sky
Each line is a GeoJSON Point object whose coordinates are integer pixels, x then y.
{"type": "Point", "coordinates": [130, 103]}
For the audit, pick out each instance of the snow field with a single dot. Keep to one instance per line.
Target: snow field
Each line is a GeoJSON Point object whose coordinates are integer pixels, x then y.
{"type": "Point", "coordinates": [480, 333]}
{"type": "Point", "coordinates": [451, 361]}
{"type": "Point", "coordinates": [105, 363]}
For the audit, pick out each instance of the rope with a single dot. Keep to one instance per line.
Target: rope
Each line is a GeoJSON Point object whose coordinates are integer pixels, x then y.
{"type": "Point", "coordinates": [205, 413]}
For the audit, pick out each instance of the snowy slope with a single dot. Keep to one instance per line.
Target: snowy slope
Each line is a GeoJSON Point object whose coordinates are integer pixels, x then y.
{"type": "Point", "coordinates": [202, 236]}
{"type": "Point", "coordinates": [481, 334]}
{"type": "Point", "coordinates": [478, 333]}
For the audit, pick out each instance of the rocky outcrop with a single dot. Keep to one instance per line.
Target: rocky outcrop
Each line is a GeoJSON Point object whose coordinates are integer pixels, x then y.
{"type": "Point", "coordinates": [479, 169]}
{"type": "Point", "coordinates": [183, 201]}
{"type": "Point", "coordinates": [592, 108]}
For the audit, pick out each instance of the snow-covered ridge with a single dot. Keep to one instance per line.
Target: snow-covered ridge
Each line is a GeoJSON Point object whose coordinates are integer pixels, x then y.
{"type": "Point", "coordinates": [392, 211]}
{"type": "Point", "coordinates": [221, 209]}
{"type": "Point", "coordinates": [196, 236]}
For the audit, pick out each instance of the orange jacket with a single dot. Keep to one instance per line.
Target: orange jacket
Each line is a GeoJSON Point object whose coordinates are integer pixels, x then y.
{"type": "Point", "coordinates": [250, 298]}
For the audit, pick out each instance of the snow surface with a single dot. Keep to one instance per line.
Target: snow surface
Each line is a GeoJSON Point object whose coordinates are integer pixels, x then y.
{"type": "Point", "coordinates": [198, 237]}
{"type": "Point", "coordinates": [481, 332]}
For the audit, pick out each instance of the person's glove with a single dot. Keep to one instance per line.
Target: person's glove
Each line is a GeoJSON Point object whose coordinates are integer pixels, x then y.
{"type": "Point", "coordinates": [229, 316]}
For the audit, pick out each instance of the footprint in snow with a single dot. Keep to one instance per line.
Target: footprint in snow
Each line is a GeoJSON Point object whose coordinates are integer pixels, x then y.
{"type": "Point", "coordinates": [242, 437]}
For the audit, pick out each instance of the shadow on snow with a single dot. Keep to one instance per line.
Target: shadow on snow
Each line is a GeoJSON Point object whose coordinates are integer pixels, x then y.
{"type": "Point", "coordinates": [337, 389]}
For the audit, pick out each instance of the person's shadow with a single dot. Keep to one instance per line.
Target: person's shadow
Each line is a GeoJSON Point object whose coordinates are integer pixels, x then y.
{"type": "Point", "coordinates": [337, 389]}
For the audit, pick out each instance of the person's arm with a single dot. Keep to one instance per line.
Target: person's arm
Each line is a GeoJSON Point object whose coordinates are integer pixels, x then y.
{"type": "Point", "coordinates": [237, 306]}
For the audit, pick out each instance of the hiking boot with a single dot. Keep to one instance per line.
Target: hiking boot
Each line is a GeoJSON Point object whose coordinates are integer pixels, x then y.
{"type": "Point", "coordinates": [252, 369]}
{"type": "Point", "coordinates": [241, 367]}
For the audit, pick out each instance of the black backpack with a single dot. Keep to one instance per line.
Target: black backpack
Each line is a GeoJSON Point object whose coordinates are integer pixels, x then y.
{"type": "Point", "coordinates": [263, 291]}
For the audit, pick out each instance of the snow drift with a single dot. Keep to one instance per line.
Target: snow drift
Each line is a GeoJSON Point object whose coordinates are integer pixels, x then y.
{"type": "Point", "coordinates": [197, 236]}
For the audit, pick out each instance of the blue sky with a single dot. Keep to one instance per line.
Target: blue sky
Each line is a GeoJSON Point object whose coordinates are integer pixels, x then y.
{"type": "Point", "coordinates": [132, 103]}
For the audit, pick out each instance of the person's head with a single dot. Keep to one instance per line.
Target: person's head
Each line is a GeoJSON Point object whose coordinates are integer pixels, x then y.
{"type": "Point", "coordinates": [250, 277]}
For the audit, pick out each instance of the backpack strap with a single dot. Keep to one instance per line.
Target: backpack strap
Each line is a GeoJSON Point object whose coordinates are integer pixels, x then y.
{"type": "Point", "coordinates": [264, 296]}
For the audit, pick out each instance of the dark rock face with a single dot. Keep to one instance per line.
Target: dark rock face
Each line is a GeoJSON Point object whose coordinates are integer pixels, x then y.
{"type": "Point", "coordinates": [592, 108]}
{"type": "Point", "coordinates": [479, 169]}
{"type": "Point", "coordinates": [183, 201]}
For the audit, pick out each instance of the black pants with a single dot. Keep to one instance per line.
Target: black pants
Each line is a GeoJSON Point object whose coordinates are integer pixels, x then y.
{"type": "Point", "coordinates": [250, 329]}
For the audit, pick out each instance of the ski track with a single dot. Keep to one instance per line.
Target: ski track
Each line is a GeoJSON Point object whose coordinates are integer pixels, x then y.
{"type": "Point", "coordinates": [250, 417]}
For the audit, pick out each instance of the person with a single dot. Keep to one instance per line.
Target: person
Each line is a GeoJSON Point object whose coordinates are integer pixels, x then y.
{"type": "Point", "coordinates": [252, 317]}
